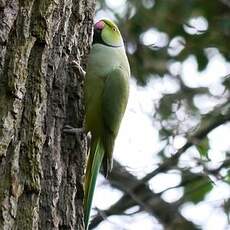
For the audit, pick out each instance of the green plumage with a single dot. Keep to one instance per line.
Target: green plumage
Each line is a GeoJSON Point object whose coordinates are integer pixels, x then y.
{"type": "Point", "coordinates": [106, 94]}
{"type": "Point", "coordinates": [93, 167]}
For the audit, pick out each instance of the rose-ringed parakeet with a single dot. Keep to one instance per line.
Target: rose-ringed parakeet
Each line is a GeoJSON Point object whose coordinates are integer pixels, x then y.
{"type": "Point", "coordinates": [106, 91]}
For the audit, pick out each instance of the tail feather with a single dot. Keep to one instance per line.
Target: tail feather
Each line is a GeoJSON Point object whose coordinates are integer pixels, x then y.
{"type": "Point", "coordinates": [93, 166]}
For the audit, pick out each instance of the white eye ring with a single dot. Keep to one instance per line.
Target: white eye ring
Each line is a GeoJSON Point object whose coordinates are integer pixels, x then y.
{"type": "Point", "coordinates": [114, 29]}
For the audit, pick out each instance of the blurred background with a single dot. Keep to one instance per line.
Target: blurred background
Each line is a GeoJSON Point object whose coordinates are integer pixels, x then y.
{"type": "Point", "coordinates": [172, 155]}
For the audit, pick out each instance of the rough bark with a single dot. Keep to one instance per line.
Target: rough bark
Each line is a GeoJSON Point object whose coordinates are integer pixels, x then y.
{"type": "Point", "coordinates": [41, 168]}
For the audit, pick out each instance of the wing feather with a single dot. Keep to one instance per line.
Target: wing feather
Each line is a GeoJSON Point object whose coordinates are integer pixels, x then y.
{"type": "Point", "coordinates": [114, 101]}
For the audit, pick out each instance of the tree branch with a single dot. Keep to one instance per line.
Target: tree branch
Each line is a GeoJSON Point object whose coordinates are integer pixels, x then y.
{"type": "Point", "coordinates": [137, 192]}
{"type": "Point", "coordinates": [149, 201]}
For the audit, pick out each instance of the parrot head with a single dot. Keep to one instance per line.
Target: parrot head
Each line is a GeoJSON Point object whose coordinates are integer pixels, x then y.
{"type": "Point", "coordinates": [107, 33]}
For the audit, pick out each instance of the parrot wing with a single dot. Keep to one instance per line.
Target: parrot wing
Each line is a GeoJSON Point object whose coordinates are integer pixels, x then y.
{"type": "Point", "coordinates": [114, 101]}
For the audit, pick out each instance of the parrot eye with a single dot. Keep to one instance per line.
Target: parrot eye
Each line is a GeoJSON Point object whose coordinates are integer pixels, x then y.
{"type": "Point", "coordinates": [114, 29]}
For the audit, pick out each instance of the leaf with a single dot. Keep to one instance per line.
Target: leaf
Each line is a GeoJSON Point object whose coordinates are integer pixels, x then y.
{"type": "Point", "coordinates": [203, 148]}
{"type": "Point", "coordinates": [165, 107]}
{"type": "Point", "coordinates": [227, 177]}
{"type": "Point", "coordinates": [202, 60]}
{"type": "Point", "coordinates": [197, 188]}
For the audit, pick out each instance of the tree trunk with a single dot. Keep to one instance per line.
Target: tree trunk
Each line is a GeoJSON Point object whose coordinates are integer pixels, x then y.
{"type": "Point", "coordinates": [41, 168]}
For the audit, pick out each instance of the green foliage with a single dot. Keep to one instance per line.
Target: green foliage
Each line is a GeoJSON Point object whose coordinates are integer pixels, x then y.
{"type": "Point", "coordinates": [203, 148]}
{"type": "Point", "coordinates": [227, 178]}
{"type": "Point", "coordinates": [161, 36]}
{"type": "Point", "coordinates": [197, 187]}
{"type": "Point", "coordinates": [171, 18]}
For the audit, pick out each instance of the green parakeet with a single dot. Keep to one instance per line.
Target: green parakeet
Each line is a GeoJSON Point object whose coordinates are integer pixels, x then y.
{"type": "Point", "coordinates": [106, 93]}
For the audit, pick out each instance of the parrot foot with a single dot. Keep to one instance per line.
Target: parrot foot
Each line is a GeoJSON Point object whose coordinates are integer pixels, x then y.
{"type": "Point", "coordinates": [69, 129]}
{"type": "Point", "coordinates": [79, 68]}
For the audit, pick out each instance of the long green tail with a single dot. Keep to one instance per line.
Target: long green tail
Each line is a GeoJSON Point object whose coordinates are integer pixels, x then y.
{"type": "Point", "coordinates": [93, 166]}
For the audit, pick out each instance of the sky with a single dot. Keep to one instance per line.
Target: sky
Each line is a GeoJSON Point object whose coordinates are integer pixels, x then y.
{"type": "Point", "coordinates": [138, 140]}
